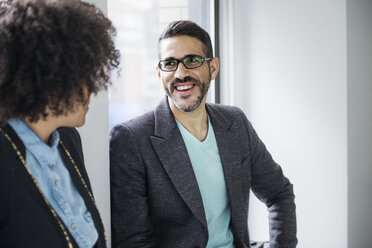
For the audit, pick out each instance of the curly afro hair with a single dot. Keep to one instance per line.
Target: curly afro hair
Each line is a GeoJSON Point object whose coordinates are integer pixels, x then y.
{"type": "Point", "coordinates": [49, 51]}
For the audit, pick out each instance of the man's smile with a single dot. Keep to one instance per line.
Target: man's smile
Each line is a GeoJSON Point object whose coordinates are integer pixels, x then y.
{"type": "Point", "coordinates": [184, 87]}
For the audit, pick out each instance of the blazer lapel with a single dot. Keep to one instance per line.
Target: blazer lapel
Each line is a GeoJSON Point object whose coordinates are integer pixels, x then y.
{"type": "Point", "coordinates": [227, 139]}
{"type": "Point", "coordinates": [79, 185]}
{"type": "Point", "coordinates": [89, 204]}
{"type": "Point", "coordinates": [171, 150]}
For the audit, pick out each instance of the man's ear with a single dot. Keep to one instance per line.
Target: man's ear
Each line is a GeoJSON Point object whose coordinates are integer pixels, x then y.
{"type": "Point", "coordinates": [214, 67]}
{"type": "Point", "coordinates": [158, 71]}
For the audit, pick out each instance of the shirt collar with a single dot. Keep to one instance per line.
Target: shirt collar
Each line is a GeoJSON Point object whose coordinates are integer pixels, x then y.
{"type": "Point", "coordinates": [46, 154]}
{"type": "Point", "coordinates": [207, 139]}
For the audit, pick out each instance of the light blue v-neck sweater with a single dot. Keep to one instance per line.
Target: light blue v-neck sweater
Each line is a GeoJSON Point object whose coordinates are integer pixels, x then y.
{"type": "Point", "coordinates": [206, 162]}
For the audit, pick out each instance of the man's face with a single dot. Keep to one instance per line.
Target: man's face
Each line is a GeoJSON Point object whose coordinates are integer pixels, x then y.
{"type": "Point", "coordinates": [187, 88]}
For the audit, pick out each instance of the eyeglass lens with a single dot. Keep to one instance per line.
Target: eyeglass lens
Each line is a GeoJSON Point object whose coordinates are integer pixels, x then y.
{"type": "Point", "coordinates": [190, 62]}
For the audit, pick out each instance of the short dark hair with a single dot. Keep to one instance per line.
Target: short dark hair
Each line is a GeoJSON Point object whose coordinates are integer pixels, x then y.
{"type": "Point", "coordinates": [188, 28]}
{"type": "Point", "coordinates": [49, 51]}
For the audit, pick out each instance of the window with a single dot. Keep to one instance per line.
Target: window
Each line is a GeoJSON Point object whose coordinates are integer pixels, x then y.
{"type": "Point", "coordinates": [139, 24]}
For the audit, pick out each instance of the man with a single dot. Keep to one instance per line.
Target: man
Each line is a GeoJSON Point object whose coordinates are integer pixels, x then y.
{"type": "Point", "coordinates": [181, 174]}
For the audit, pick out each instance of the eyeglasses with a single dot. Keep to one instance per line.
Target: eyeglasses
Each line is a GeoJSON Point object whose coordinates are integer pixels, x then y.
{"type": "Point", "coordinates": [189, 61]}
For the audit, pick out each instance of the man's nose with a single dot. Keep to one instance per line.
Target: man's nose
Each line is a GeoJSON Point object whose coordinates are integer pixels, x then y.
{"type": "Point", "coordinates": [181, 71]}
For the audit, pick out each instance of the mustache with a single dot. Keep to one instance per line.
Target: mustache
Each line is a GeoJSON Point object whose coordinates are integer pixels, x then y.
{"type": "Point", "coordinates": [185, 79]}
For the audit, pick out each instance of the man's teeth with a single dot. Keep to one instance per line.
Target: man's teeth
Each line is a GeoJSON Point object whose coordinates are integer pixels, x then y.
{"type": "Point", "coordinates": [184, 87]}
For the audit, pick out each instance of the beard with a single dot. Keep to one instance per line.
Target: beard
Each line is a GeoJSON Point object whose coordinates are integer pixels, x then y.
{"type": "Point", "coordinates": [193, 106]}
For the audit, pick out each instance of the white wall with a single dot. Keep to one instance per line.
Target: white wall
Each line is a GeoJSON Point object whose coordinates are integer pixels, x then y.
{"type": "Point", "coordinates": [359, 38]}
{"type": "Point", "coordinates": [291, 81]}
{"type": "Point", "coordinates": [95, 138]}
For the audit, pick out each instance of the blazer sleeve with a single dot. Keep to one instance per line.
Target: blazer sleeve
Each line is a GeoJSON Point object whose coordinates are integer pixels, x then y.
{"type": "Point", "coordinates": [270, 186]}
{"type": "Point", "coordinates": [131, 226]}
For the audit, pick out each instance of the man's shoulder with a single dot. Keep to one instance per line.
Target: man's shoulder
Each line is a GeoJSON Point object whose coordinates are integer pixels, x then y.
{"type": "Point", "coordinates": [141, 120]}
{"type": "Point", "coordinates": [227, 111]}
{"type": "Point", "coordinates": [224, 107]}
{"type": "Point", "coordinates": [140, 124]}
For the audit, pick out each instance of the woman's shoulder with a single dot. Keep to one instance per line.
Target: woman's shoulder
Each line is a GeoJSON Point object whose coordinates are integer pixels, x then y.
{"type": "Point", "coordinates": [70, 140]}
{"type": "Point", "coordinates": [69, 135]}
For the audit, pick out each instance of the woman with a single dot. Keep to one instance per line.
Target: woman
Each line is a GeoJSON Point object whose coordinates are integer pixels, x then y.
{"type": "Point", "coordinates": [53, 55]}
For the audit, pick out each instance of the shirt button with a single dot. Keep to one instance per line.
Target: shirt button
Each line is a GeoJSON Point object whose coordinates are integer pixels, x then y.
{"type": "Point", "coordinates": [72, 226]}
{"type": "Point", "coordinates": [56, 183]}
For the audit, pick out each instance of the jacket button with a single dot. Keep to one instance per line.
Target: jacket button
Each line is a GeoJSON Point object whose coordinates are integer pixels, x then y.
{"type": "Point", "coordinates": [72, 226]}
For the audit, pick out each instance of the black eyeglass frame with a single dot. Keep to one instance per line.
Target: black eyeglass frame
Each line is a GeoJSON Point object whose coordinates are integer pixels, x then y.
{"type": "Point", "coordinates": [181, 61]}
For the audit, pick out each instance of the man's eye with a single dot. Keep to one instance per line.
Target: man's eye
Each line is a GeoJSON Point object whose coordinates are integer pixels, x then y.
{"type": "Point", "coordinates": [193, 60]}
{"type": "Point", "coordinates": [170, 63]}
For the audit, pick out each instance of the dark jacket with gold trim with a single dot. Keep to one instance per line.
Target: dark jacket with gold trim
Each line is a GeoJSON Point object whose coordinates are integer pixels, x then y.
{"type": "Point", "coordinates": [25, 219]}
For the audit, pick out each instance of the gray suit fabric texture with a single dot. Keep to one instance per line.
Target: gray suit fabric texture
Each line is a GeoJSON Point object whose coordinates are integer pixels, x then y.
{"type": "Point", "coordinates": [155, 199]}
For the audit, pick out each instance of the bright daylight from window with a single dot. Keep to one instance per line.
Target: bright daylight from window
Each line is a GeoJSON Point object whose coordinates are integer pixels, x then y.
{"type": "Point", "coordinates": [139, 24]}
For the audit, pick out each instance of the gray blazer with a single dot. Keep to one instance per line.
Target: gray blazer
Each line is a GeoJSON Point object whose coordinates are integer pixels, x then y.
{"type": "Point", "coordinates": [155, 199]}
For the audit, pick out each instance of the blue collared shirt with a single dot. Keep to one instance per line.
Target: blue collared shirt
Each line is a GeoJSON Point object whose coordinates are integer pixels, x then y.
{"type": "Point", "coordinates": [47, 167]}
